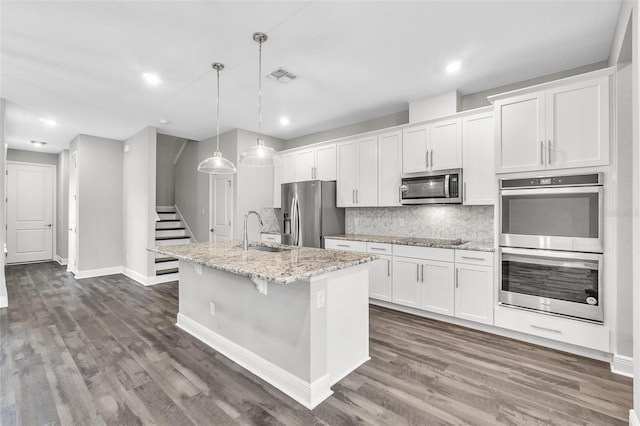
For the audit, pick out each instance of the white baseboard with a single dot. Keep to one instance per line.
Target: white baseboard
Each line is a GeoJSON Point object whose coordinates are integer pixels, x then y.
{"type": "Point", "coordinates": [90, 273]}
{"type": "Point", "coordinates": [622, 365]}
{"type": "Point", "coordinates": [4, 297]}
{"type": "Point", "coordinates": [62, 261]}
{"type": "Point", "coordinates": [4, 302]}
{"type": "Point", "coordinates": [633, 418]}
{"type": "Point", "coordinates": [153, 280]}
{"type": "Point", "coordinates": [307, 394]}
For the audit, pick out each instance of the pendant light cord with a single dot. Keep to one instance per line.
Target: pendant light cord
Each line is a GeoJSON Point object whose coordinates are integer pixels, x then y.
{"type": "Point", "coordinates": [218, 113]}
{"type": "Point", "coordinates": [260, 92]}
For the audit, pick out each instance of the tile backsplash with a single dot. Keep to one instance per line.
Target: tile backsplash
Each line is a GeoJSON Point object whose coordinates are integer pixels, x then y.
{"type": "Point", "coordinates": [474, 223]}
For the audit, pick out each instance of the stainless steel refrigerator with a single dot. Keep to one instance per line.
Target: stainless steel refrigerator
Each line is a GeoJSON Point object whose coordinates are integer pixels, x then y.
{"type": "Point", "coordinates": [309, 213]}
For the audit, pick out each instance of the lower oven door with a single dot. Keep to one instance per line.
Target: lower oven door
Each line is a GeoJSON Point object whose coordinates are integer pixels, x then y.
{"type": "Point", "coordinates": [565, 283]}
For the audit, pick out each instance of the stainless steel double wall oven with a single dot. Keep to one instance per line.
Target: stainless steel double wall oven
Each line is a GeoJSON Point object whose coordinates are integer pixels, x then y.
{"type": "Point", "coordinates": [551, 244]}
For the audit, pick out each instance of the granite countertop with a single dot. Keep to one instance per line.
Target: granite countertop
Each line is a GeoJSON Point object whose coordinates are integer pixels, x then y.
{"type": "Point", "coordinates": [271, 232]}
{"type": "Point", "coordinates": [284, 267]}
{"type": "Point", "coordinates": [420, 242]}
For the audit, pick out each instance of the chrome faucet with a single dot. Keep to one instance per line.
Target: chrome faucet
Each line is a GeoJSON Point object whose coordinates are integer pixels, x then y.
{"type": "Point", "coordinates": [245, 237]}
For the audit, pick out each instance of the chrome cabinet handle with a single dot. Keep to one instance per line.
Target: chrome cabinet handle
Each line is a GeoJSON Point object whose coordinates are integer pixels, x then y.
{"type": "Point", "coordinates": [426, 159]}
{"type": "Point", "coordinates": [353, 196]}
{"type": "Point", "coordinates": [378, 248]}
{"type": "Point", "coordinates": [356, 196]}
{"type": "Point", "coordinates": [423, 272]}
{"type": "Point", "coordinates": [471, 258]}
{"type": "Point", "coordinates": [464, 191]}
{"type": "Point", "coordinates": [432, 159]}
{"type": "Point", "coordinates": [418, 272]}
{"type": "Point", "coordinates": [343, 245]}
{"type": "Point", "coordinates": [312, 172]}
{"type": "Point", "coordinates": [457, 277]}
{"type": "Point", "coordinates": [388, 268]}
{"type": "Point", "coordinates": [549, 151]}
{"type": "Point", "coordinates": [545, 329]}
{"type": "Point", "coordinates": [541, 153]}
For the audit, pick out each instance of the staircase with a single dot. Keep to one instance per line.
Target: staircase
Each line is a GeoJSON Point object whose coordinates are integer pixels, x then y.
{"type": "Point", "coordinates": [170, 230]}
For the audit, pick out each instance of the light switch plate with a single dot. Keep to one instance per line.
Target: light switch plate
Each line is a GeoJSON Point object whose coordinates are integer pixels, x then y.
{"type": "Point", "coordinates": [212, 309]}
{"type": "Point", "coordinates": [321, 299]}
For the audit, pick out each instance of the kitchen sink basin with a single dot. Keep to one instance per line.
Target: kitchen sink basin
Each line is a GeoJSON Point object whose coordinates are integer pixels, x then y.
{"type": "Point", "coordinates": [269, 248]}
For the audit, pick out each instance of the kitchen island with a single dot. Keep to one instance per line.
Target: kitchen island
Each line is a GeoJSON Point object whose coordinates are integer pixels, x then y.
{"type": "Point", "coordinates": [297, 318]}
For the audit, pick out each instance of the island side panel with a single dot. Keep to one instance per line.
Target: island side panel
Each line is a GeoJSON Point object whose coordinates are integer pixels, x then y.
{"type": "Point", "coordinates": [347, 321]}
{"type": "Point", "coordinates": [275, 326]}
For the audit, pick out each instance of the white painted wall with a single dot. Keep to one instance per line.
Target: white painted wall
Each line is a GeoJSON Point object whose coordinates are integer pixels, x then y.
{"type": "Point", "coordinates": [4, 299]}
{"type": "Point", "coordinates": [435, 106]}
{"type": "Point", "coordinates": [62, 205]}
{"type": "Point", "coordinates": [100, 226]}
{"type": "Point", "coordinates": [139, 201]}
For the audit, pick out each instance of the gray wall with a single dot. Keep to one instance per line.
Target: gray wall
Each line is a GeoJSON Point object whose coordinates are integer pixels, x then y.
{"type": "Point", "coordinates": [3, 154]}
{"type": "Point", "coordinates": [166, 151]}
{"type": "Point", "coordinates": [99, 202]}
{"type": "Point", "coordinates": [138, 188]}
{"type": "Point", "coordinates": [62, 205]}
{"type": "Point", "coordinates": [32, 157]}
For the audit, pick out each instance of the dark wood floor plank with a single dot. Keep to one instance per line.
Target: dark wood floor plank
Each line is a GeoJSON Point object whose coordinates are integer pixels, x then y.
{"type": "Point", "coordinates": [106, 351]}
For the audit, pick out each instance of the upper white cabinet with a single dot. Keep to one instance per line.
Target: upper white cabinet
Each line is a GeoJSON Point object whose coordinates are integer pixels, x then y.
{"type": "Point", "coordinates": [434, 146]}
{"type": "Point", "coordinates": [305, 164]}
{"type": "Point", "coordinates": [561, 127]}
{"type": "Point", "coordinates": [325, 162]}
{"type": "Point", "coordinates": [389, 168]}
{"type": "Point", "coordinates": [357, 173]}
{"type": "Point", "coordinates": [479, 179]}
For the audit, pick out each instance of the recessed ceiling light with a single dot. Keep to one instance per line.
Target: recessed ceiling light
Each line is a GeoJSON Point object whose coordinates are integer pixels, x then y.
{"type": "Point", "coordinates": [284, 121]}
{"type": "Point", "coordinates": [151, 78]}
{"type": "Point", "coordinates": [38, 143]}
{"type": "Point", "coordinates": [453, 67]}
{"type": "Point", "coordinates": [49, 122]}
{"type": "Point", "coordinates": [163, 121]}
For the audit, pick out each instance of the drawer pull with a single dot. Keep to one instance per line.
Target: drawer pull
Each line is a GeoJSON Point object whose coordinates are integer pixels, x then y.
{"type": "Point", "coordinates": [545, 329]}
{"type": "Point", "coordinates": [378, 248]}
{"type": "Point", "coordinates": [344, 245]}
{"type": "Point", "coordinates": [472, 258]}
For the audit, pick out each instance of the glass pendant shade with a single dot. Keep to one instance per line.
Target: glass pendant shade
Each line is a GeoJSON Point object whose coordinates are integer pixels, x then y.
{"type": "Point", "coordinates": [217, 165]}
{"type": "Point", "coordinates": [260, 156]}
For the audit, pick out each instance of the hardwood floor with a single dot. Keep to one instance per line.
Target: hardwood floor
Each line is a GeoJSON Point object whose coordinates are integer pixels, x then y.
{"type": "Point", "coordinates": [106, 351]}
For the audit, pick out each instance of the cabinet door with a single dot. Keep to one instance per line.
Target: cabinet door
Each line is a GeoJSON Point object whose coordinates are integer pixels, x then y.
{"type": "Point", "coordinates": [406, 281]}
{"type": "Point", "coordinates": [389, 168]}
{"type": "Point", "coordinates": [415, 141]}
{"type": "Point", "coordinates": [367, 187]}
{"type": "Point", "coordinates": [479, 178]}
{"type": "Point", "coordinates": [446, 145]}
{"type": "Point", "coordinates": [380, 274]}
{"type": "Point", "coordinates": [288, 168]}
{"type": "Point", "coordinates": [474, 293]}
{"type": "Point", "coordinates": [520, 133]}
{"type": "Point", "coordinates": [577, 118]}
{"type": "Point", "coordinates": [326, 162]}
{"type": "Point", "coordinates": [305, 165]}
{"type": "Point", "coordinates": [347, 172]}
{"type": "Point", "coordinates": [437, 287]}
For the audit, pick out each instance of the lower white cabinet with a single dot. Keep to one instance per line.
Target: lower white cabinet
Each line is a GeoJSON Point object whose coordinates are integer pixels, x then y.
{"type": "Point", "coordinates": [380, 278]}
{"type": "Point", "coordinates": [406, 281]}
{"type": "Point", "coordinates": [474, 293]}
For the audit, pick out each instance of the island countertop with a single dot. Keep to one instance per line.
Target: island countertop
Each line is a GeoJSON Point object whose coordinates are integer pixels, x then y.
{"type": "Point", "coordinates": [294, 264]}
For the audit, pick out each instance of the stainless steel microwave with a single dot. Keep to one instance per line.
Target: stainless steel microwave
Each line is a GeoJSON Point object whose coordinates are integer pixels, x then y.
{"type": "Point", "coordinates": [441, 187]}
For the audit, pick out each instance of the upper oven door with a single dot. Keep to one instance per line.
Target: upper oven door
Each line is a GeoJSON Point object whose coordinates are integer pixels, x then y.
{"type": "Point", "coordinates": [552, 218]}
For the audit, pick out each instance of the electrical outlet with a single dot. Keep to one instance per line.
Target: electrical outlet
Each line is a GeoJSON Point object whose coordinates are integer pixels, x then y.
{"type": "Point", "coordinates": [356, 221]}
{"type": "Point", "coordinates": [320, 301]}
{"type": "Point", "coordinates": [212, 309]}
{"type": "Point", "coordinates": [401, 222]}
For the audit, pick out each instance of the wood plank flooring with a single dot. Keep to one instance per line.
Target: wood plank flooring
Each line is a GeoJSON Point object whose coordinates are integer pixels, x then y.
{"type": "Point", "coordinates": [106, 351]}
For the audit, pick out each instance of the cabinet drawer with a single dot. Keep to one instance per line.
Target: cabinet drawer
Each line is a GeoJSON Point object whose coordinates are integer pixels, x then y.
{"type": "Point", "coordinates": [565, 330]}
{"type": "Point", "coordinates": [431, 253]}
{"type": "Point", "coordinates": [271, 238]}
{"type": "Point", "coordinates": [346, 245]}
{"type": "Point", "coordinates": [484, 258]}
{"type": "Point", "coordinates": [380, 248]}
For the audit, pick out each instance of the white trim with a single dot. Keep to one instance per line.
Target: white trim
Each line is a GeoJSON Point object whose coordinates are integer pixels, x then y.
{"type": "Point", "coordinates": [61, 260]}
{"type": "Point", "coordinates": [184, 144]}
{"type": "Point", "coordinates": [152, 280]}
{"type": "Point", "coordinates": [186, 225]}
{"type": "Point", "coordinates": [633, 418]}
{"type": "Point", "coordinates": [90, 273]}
{"type": "Point", "coordinates": [165, 209]}
{"type": "Point", "coordinates": [307, 394]}
{"type": "Point", "coordinates": [4, 302]}
{"type": "Point", "coordinates": [622, 365]}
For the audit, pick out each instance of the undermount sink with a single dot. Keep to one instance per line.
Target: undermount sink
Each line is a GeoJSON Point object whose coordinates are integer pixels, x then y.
{"type": "Point", "coordinates": [268, 248]}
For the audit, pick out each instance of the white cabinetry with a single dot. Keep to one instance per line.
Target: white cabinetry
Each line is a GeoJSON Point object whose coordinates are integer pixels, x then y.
{"type": "Point", "coordinates": [357, 173]}
{"type": "Point", "coordinates": [479, 179]}
{"type": "Point", "coordinates": [271, 238]}
{"type": "Point", "coordinates": [326, 162]}
{"type": "Point", "coordinates": [434, 146]}
{"type": "Point", "coordinates": [474, 286]}
{"type": "Point", "coordinates": [305, 164]}
{"type": "Point", "coordinates": [381, 273]}
{"type": "Point", "coordinates": [389, 168]}
{"type": "Point", "coordinates": [564, 126]}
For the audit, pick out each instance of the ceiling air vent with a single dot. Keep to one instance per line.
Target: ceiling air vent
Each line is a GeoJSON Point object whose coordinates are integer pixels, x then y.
{"type": "Point", "coordinates": [283, 76]}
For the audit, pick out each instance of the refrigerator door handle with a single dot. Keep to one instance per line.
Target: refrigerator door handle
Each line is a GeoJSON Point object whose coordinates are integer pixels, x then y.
{"type": "Point", "coordinates": [298, 227]}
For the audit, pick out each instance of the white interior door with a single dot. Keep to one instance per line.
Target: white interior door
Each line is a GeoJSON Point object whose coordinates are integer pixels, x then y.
{"type": "Point", "coordinates": [220, 208]}
{"type": "Point", "coordinates": [30, 221]}
{"type": "Point", "coordinates": [72, 265]}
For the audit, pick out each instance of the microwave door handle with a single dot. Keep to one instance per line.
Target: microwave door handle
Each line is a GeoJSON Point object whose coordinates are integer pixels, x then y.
{"type": "Point", "coordinates": [446, 186]}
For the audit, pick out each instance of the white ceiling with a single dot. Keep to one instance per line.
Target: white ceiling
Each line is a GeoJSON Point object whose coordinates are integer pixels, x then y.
{"type": "Point", "coordinates": [80, 63]}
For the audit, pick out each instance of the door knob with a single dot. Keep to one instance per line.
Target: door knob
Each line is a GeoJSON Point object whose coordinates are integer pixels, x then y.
{"type": "Point", "coordinates": [48, 226]}
{"type": "Point", "coordinates": [211, 230]}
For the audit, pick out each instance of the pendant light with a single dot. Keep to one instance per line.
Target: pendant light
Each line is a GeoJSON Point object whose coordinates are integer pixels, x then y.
{"type": "Point", "coordinates": [260, 155]}
{"type": "Point", "coordinates": [217, 165]}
